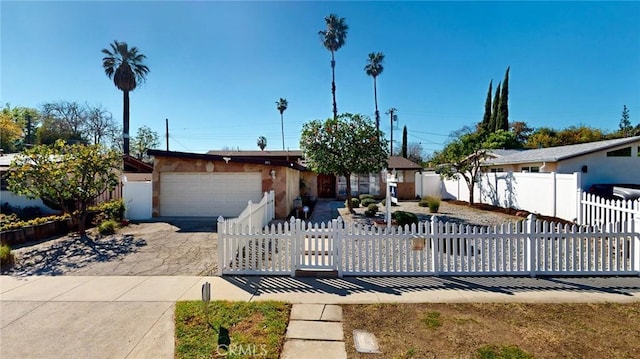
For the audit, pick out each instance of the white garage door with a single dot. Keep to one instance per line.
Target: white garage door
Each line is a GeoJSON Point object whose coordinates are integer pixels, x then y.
{"type": "Point", "coordinates": [208, 194]}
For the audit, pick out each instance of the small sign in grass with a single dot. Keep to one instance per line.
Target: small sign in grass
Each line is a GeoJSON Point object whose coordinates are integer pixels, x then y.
{"type": "Point", "coordinates": [233, 330]}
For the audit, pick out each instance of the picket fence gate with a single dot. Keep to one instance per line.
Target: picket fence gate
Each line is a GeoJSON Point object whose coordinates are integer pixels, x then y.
{"type": "Point", "coordinates": [530, 247]}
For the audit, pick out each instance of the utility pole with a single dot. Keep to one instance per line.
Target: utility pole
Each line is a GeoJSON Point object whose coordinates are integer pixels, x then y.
{"type": "Point", "coordinates": [392, 117]}
{"type": "Point", "coordinates": [166, 126]}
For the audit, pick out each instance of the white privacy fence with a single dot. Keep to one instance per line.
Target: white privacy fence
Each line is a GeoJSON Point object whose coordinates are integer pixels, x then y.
{"type": "Point", "coordinates": [529, 247]}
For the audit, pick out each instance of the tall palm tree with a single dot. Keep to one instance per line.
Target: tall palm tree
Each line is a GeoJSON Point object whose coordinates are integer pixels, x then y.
{"type": "Point", "coordinates": [125, 66]}
{"type": "Point", "coordinates": [262, 143]}
{"type": "Point", "coordinates": [282, 105]}
{"type": "Point", "coordinates": [374, 68]}
{"type": "Point", "coordinates": [333, 39]}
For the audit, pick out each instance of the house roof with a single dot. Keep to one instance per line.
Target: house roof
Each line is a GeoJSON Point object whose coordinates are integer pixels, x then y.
{"type": "Point", "coordinates": [266, 160]}
{"type": "Point", "coordinates": [132, 164]}
{"type": "Point", "coordinates": [401, 163]}
{"type": "Point", "coordinates": [262, 154]}
{"type": "Point", "coordinates": [559, 153]}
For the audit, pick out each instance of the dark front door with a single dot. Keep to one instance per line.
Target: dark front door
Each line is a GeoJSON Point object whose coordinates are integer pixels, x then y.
{"type": "Point", "coordinates": [326, 186]}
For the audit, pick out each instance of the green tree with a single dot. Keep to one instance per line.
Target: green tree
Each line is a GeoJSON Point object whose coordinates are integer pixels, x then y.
{"type": "Point", "coordinates": [374, 68]}
{"type": "Point", "coordinates": [125, 66]}
{"type": "Point", "coordinates": [145, 139]}
{"type": "Point", "coordinates": [501, 139]}
{"type": "Point", "coordinates": [10, 132]}
{"type": "Point", "coordinates": [502, 119]}
{"type": "Point", "coordinates": [493, 123]}
{"type": "Point", "coordinates": [404, 142]}
{"type": "Point", "coordinates": [28, 119]}
{"type": "Point", "coordinates": [542, 137]}
{"type": "Point", "coordinates": [462, 156]}
{"type": "Point", "coordinates": [333, 38]}
{"type": "Point", "coordinates": [521, 130]}
{"type": "Point", "coordinates": [282, 106]}
{"type": "Point", "coordinates": [262, 143]}
{"type": "Point", "coordinates": [626, 129]}
{"type": "Point", "coordinates": [344, 146]}
{"type": "Point", "coordinates": [71, 176]}
{"type": "Point", "coordinates": [485, 125]}
{"type": "Point", "coordinates": [64, 120]}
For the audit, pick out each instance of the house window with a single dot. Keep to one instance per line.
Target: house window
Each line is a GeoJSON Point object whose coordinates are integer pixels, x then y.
{"type": "Point", "coordinates": [532, 169]}
{"type": "Point", "coordinates": [623, 152]}
{"type": "Point", "coordinates": [499, 169]}
{"type": "Point", "coordinates": [360, 184]}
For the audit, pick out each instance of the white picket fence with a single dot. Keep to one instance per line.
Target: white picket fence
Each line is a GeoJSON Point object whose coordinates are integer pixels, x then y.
{"type": "Point", "coordinates": [597, 211]}
{"type": "Point", "coordinates": [255, 215]}
{"type": "Point", "coordinates": [530, 248]}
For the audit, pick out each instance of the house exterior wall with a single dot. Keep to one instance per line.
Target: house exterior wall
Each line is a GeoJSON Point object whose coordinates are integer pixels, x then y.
{"type": "Point", "coordinates": [310, 180]}
{"type": "Point", "coordinates": [279, 184]}
{"type": "Point", "coordinates": [603, 169]}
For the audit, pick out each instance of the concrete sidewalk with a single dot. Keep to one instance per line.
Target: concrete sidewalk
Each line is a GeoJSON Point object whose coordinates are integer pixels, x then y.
{"type": "Point", "coordinates": [132, 317]}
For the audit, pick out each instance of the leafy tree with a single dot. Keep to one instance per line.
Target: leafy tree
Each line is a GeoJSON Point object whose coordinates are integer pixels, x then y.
{"type": "Point", "coordinates": [28, 119]}
{"type": "Point", "coordinates": [462, 156]}
{"type": "Point", "coordinates": [580, 134]}
{"type": "Point", "coordinates": [262, 143]}
{"type": "Point", "coordinates": [10, 132]}
{"type": "Point", "coordinates": [501, 139]}
{"type": "Point", "coordinates": [542, 137]}
{"type": "Point", "coordinates": [374, 68]}
{"type": "Point", "coordinates": [493, 123]}
{"type": "Point", "coordinates": [626, 129]}
{"type": "Point", "coordinates": [333, 38]}
{"type": "Point", "coordinates": [344, 146]}
{"type": "Point", "coordinates": [125, 66]}
{"type": "Point", "coordinates": [522, 131]}
{"type": "Point", "coordinates": [71, 176]}
{"type": "Point", "coordinates": [502, 119]}
{"type": "Point", "coordinates": [485, 125]}
{"type": "Point", "coordinates": [404, 142]}
{"type": "Point", "coordinates": [282, 106]}
{"type": "Point", "coordinates": [145, 139]}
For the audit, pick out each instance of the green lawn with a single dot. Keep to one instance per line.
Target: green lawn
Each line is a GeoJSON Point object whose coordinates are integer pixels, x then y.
{"type": "Point", "coordinates": [232, 330]}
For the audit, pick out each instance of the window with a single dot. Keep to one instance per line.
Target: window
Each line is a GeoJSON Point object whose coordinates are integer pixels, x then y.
{"type": "Point", "coordinates": [623, 152]}
{"type": "Point", "coordinates": [532, 169]}
{"type": "Point", "coordinates": [499, 169]}
{"type": "Point", "coordinates": [360, 184]}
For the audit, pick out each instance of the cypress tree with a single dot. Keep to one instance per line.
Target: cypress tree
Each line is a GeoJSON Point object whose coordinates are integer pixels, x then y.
{"type": "Point", "coordinates": [404, 142]}
{"type": "Point", "coordinates": [494, 114]}
{"type": "Point", "coordinates": [486, 119]}
{"type": "Point", "coordinates": [502, 122]}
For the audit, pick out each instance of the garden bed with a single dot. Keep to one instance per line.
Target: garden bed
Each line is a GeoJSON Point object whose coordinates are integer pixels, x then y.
{"type": "Point", "coordinates": [36, 232]}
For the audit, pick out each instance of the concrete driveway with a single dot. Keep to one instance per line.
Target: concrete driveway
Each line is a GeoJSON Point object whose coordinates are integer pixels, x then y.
{"type": "Point", "coordinates": [167, 246]}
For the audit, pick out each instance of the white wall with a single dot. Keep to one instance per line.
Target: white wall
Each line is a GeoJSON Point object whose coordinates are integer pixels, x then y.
{"type": "Point", "coordinates": [22, 201]}
{"type": "Point", "coordinates": [428, 184]}
{"type": "Point", "coordinates": [137, 198]}
{"type": "Point", "coordinates": [548, 194]}
{"type": "Point", "coordinates": [603, 169]}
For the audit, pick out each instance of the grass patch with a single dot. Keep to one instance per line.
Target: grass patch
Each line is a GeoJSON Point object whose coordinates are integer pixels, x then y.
{"type": "Point", "coordinates": [432, 320]}
{"type": "Point", "coordinates": [497, 330]}
{"type": "Point", "coordinates": [233, 329]}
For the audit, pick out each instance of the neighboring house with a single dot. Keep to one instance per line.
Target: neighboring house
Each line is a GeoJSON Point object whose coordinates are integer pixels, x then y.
{"type": "Point", "coordinates": [610, 161]}
{"type": "Point", "coordinates": [212, 184]}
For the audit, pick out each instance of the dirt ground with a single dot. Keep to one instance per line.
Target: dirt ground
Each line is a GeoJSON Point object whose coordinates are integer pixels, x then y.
{"type": "Point", "coordinates": [603, 330]}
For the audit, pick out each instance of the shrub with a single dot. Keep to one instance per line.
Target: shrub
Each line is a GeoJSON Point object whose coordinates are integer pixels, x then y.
{"type": "Point", "coordinates": [434, 204]}
{"type": "Point", "coordinates": [355, 203]}
{"type": "Point", "coordinates": [404, 218]}
{"type": "Point", "coordinates": [372, 210]}
{"type": "Point", "coordinates": [24, 213]}
{"type": "Point", "coordinates": [362, 197]}
{"type": "Point", "coordinates": [6, 257]}
{"type": "Point", "coordinates": [108, 227]}
{"type": "Point", "coordinates": [368, 201]}
{"type": "Point", "coordinates": [111, 210]}
{"type": "Point", "coordinates": [423, 202]}
{"type": "Point", "coordinates": [13, 222]}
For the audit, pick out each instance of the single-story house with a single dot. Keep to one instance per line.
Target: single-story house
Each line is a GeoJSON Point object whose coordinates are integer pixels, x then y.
{"type": "Point", "coordinates": [609, 161]}
{"type": "Point", "coordinates": [222, 182]}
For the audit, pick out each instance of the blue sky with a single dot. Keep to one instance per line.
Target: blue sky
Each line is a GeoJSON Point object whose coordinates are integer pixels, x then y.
{"type": "Point", "coordinates": [217, 68]}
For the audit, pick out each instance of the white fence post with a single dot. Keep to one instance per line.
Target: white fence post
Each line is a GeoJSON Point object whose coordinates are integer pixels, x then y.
{"type": "Point", "coordinates": [222, 245]}
{"type": "Point", "coordinates": [531, 245]}
{"type": "Point", "coordinates": [295, 244]}
{"type": "Point", "coordinates": [336, 228]}
{"type": "Point", "coordinates": [435, 253]}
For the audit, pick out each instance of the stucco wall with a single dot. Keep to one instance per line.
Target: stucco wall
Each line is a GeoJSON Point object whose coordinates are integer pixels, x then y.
{"type": "Point", "coordinates": [603, 169]}
{"type": "Point", "coordinates": [279, 184]}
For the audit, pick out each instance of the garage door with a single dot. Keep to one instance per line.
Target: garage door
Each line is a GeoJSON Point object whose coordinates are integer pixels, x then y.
{"type": "Point", "coordinates": [208, 194]}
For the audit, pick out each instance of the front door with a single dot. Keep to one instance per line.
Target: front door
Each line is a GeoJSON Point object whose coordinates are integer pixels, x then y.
{"type": "Point", "coordinates": [326, 186]}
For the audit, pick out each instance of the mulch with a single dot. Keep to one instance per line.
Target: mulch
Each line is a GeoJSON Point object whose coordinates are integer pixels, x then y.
{"type": "Point", "coordinates": [509, 211]}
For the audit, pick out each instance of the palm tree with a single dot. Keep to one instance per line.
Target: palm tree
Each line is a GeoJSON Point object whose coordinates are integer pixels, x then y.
{"type": "Point", "coordinates": [125, 66]}
{"type": "Point", "coordinates": [262, 143]}
{"type": "Point", "coordinates": [333, 39]}
{"type": "Point", "coordinates": [374, 68]}
{"type": "Point", "coordinates": [282, 105]}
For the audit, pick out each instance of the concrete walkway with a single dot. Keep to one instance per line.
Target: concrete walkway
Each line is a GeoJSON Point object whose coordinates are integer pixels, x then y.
{"type": "Point", "coordinates": [132, 317]}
